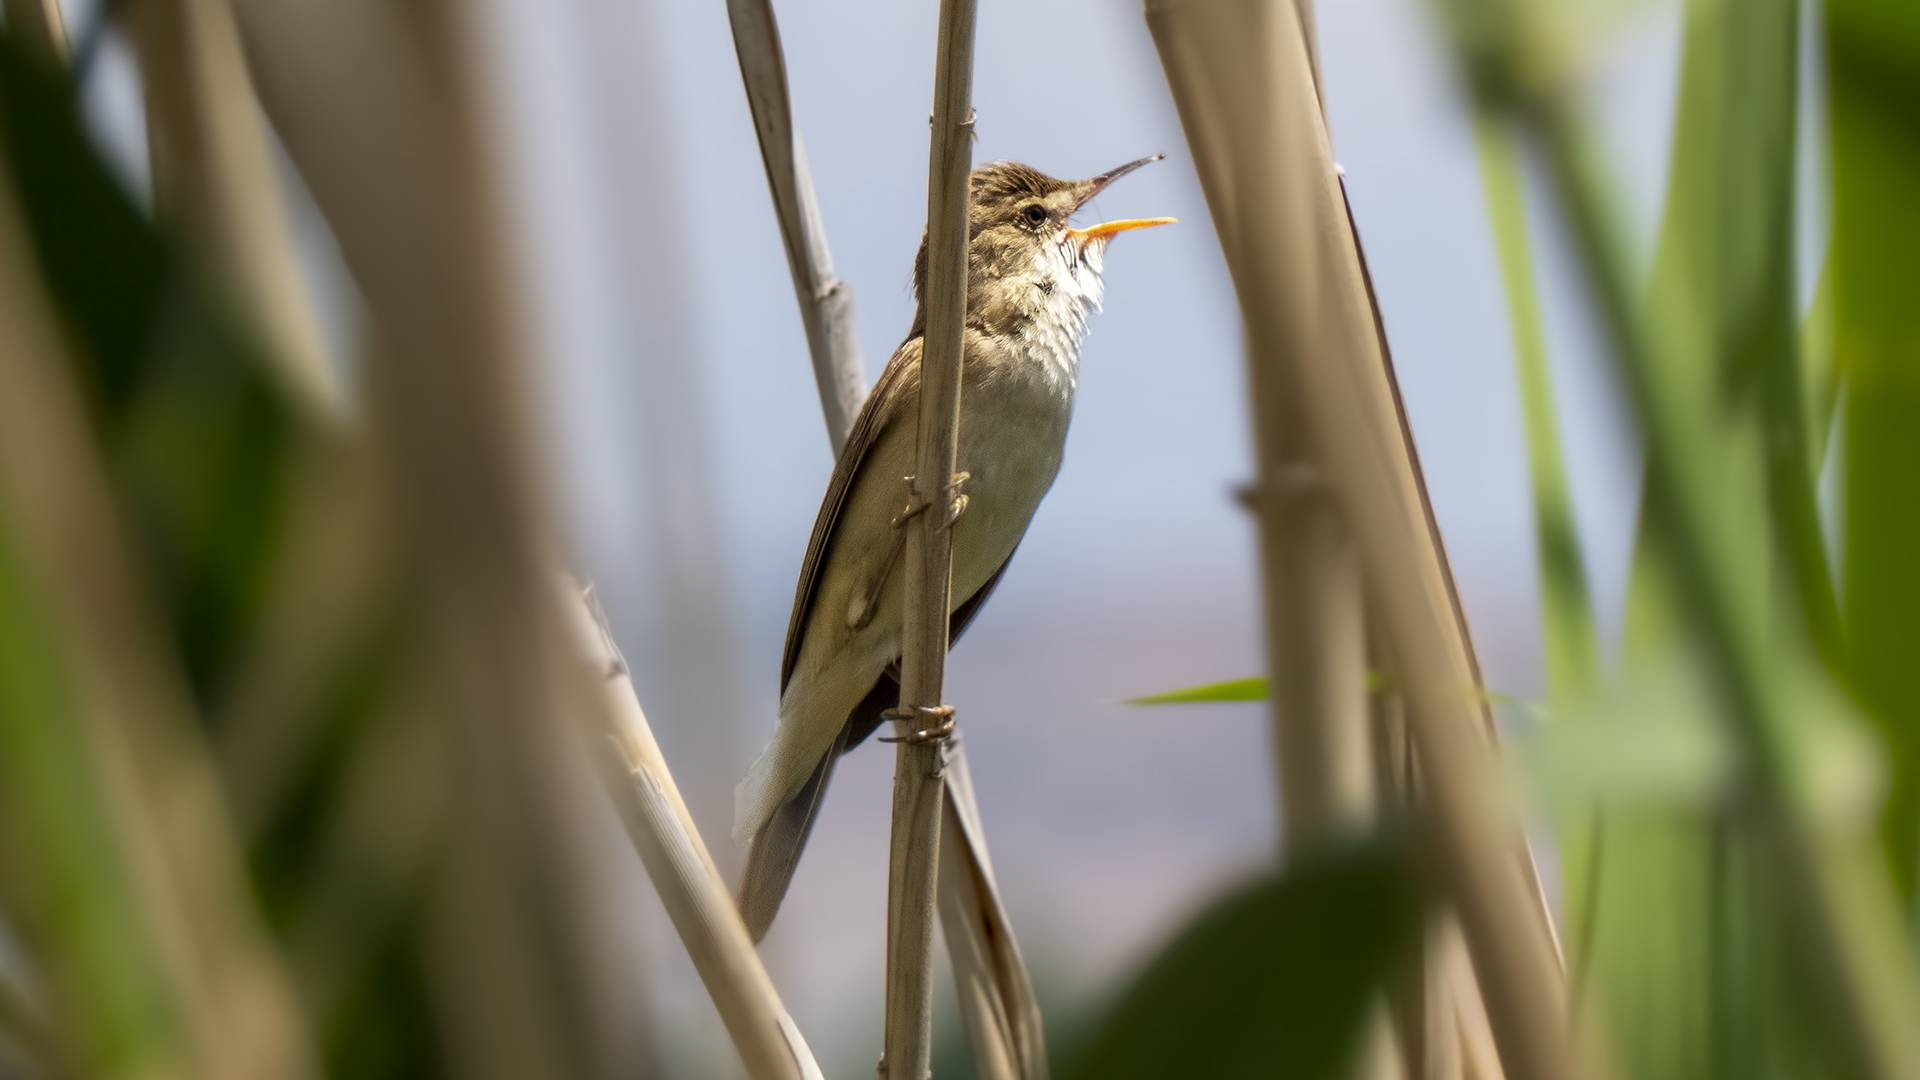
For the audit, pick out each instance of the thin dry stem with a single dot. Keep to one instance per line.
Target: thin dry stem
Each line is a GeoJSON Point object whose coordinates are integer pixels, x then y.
{"type": "Point", "coordinates": [826, 302]}
{"type": "Point", "coordinates": [683, 871]}
{"type": "Point", "coordinates": [997, 1003]}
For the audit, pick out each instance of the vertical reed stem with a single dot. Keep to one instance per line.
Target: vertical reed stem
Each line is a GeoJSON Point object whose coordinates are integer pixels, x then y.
{"type": "Point", "coordinates": [915, 854]}
{"type": "Point", "coordinates": [1242, 80]}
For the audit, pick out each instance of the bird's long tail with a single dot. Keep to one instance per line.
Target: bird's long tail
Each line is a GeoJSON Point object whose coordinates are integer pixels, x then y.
{"type": "Point", "coordinates": [775, 852]}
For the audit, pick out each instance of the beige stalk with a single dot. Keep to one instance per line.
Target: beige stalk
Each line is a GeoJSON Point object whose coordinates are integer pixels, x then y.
{"type": "Point", "coordinates": [914, 850]}
{"type": "Point", "coordinates": [1242, 80]}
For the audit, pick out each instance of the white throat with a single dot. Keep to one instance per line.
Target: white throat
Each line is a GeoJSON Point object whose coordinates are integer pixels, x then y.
{"type": "Point", "coordinates": [1059, 323]}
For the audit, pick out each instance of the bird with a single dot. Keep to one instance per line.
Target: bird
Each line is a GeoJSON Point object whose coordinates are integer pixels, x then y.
{"type": "Point", "coordinates": [1032, 282]}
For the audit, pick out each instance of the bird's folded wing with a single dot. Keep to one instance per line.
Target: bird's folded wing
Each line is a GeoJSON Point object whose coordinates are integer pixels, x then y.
{"type": "Point", "coordinates": [900, 380]}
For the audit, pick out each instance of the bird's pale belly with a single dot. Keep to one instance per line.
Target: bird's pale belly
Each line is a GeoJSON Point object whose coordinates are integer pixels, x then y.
{"type": "Point", "coordinates": [1012, 435]}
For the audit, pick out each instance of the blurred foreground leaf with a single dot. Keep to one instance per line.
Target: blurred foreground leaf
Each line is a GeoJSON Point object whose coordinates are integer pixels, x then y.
{"type": "Point", "coordinates": [1274, 980]}
{"type": "Point", "coordinates": [1874, 57]}
{"type": "Point", "coordinates": [260, 531]}
{"type": "Point", "coordinates": [191, 424]}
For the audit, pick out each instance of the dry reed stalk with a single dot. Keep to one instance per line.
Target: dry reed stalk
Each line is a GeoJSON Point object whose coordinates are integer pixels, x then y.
{"type": "Point", "coordinates": [1242, 82]}
{"type": "Point", "coordinates": [683, 872]}
{"type": "Point", "coordinates": [914, 852]}
{"type": "Point", "coordinates": [1316, 652]}
{"type": "Point", "coordinates": [213, 172]}
{"type": "Point", "coordinates": [997, 1002]}
{"type": "Point", "coordinates": [192, 935]}
{"type": "Point", "coordinates": [826, 302]}
{"type": "Point", "coordinates": [39, 24]}
{"type": "Point", "coordinates": [999, 1009]}
{"type": "Point", "coordinates": [376, 106]}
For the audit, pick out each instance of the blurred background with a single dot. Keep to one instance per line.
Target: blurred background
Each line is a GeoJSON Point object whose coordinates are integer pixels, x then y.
{"type": "Point", "coordinates": [675, 376]}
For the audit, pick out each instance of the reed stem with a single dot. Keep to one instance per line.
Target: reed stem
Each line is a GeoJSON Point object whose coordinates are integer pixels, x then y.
{"type": "Point", "coordinates": [1242, 81]}
{"type": "Point", "coordinates": [915, 848]}
{"type": "Point", "coordinates": [826, 302]}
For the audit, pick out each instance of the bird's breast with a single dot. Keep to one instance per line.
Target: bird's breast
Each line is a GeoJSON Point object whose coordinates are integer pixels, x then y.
{"type": "Point", "coordinates": [1013, 434]}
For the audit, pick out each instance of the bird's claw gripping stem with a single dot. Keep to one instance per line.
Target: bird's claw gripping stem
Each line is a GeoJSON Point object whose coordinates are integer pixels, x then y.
{"type": "Point", "coordinates": [933, 732]}
{"type": "Point", "coordinates": [956, 502]}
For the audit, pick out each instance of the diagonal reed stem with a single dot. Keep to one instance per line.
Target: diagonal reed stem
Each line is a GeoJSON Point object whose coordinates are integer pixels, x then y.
{"type": "Point", "coordinates": [826, 302]}
{"type": "Point", "coordinates": [682, 871]}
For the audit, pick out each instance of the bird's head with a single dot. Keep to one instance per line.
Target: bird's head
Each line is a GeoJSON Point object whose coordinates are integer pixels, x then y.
{"type": "Point", "coordinates": [1025, 260]}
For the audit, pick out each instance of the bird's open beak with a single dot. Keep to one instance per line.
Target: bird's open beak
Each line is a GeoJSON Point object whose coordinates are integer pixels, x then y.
{"type": "Point", "coordinates": [1107, 230]}
{"type": "Point", "coordinates": [1085, 190]}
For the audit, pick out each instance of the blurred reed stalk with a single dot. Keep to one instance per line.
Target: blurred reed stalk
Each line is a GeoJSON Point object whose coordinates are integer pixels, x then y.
{"type": "Point", "coordinates": [1242, 80]}
{"type": "Point", "coordinates": [1315, 611]}
{"type": "Point", "coordinates": [683, 872]}
{"type": "Point", "coordinates": [213, 174]}
{"type": "Point", "coordinates": [997, 1002]}
{"type": "Point", "coordinates": [130, 890]}
{"type": "Point", "coordinates": [1315, 607]}
{"type": "Point", "coordinates": [38, 24]}
{"type": "Point", "coordinates": [376, 108]}
{"type": "Point", "coordinates": [914, 850]}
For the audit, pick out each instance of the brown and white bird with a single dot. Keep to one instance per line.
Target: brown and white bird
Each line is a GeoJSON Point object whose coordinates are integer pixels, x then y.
{"type": "Point", "coordinates": [1032, 282]}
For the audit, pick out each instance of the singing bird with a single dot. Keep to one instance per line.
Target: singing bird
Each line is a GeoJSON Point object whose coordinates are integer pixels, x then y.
{"type": "Point", "coordinates": [1032, 282]}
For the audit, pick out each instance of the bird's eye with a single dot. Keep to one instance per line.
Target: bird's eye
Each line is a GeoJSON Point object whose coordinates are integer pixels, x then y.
{"type": "Point", "coordinates": [1035, 214]}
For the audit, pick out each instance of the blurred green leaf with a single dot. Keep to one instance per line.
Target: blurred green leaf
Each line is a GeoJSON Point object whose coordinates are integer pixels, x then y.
{"type": "Point", "coordinates": [1713, 883]}
{"type": "Point", "coordinates": [1570, 645]}
{"type": "Point", "coordinates": [71, 886]}
{"type": "Point", "coordinates": [1874, 60]}
{"type": "Point", "coordinates": [190, 418]}
{"type": "Point", "coordinates": [1276, 979]}
{"type": "Point", "coordinates": [1650, 740]}
{"type": "Point", "coordinates": [104, 262]}
{"type": "Point", "coordinates": [1820, 374]}
{"type": "Point", "coordinates": [209, 453]}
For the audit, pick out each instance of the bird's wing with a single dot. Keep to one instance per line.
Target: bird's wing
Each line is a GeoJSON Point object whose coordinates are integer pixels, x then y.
{"type": "Point", "coordinates": [901, 377]}
{"type": "Point", "coordinates": [866, 717]}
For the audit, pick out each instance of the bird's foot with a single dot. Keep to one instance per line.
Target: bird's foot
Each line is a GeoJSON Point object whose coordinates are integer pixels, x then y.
{"type": "Point", "coordinates": [956, 501]}
{"type": "Point", "coordinates": [938, 718]}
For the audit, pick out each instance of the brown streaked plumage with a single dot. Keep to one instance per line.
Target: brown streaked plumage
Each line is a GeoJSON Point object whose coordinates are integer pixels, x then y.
{"type": "Point", "coordinates": [1032, 283]}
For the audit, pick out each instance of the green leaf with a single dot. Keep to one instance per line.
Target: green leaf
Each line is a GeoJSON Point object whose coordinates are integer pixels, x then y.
{"type": "Point", "coordinates": [70, 887]}
{"type": "Point", "coordinates": [1254, 689]}
{"type": "Point", "coordinates": [1277, 979]}
{"type": "Point", "coordinates": [1874, 57]}
{"type": "Point", "coordinates": [1571, 645]}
